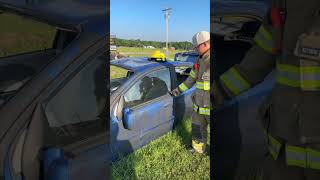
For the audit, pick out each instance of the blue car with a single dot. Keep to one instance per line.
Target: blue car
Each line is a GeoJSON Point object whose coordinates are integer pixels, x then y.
{"type": "Point", "coordinates": [141, 107]}
{"type": "Point", "coordinates": [53, 123]}
{"type": "Point", "coordinates": [186, 57]}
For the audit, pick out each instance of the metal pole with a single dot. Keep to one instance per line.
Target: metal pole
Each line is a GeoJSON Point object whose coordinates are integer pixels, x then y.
{"type": "Point", "coordinates": [167, 13]}
{"type": "Point", "coordinates": [167, 31]}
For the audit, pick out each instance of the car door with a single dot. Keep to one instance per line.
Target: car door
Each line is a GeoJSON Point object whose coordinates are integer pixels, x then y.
{"type": "Point", "coordinates": [76, 116]}
{"type": "Point", "coordinates": [183, 102]}
{"type": "Point", "coordinates": [147, 111]}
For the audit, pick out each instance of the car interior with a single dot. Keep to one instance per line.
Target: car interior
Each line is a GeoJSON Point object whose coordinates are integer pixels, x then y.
{"type": "Point", "coordinates": [182, 73]}
{"type": "Point", "coordinates": [232, 38]}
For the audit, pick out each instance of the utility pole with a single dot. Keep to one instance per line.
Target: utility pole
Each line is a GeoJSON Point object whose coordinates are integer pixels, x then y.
{"type": "Point", "coordinates": [167, 13]}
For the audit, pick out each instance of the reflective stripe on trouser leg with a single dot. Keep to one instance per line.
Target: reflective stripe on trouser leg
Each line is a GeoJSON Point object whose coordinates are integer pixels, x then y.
{"type": "Point", "coordinates": [198, 146]}
{"type": "Point", "coordinates": [201, 110]}
{"type": "Point", "coordinates": [199, 132]}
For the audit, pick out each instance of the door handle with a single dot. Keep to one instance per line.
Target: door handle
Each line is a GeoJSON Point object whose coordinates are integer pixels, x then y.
{"type": "Point", "coordinates": [166, 105]}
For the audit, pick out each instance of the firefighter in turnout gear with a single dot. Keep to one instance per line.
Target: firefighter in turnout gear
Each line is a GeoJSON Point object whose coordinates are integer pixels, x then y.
{"type": "Point", "coordinates": [200, 77]}
{"type": "Point", "coordinates": [288, 42]}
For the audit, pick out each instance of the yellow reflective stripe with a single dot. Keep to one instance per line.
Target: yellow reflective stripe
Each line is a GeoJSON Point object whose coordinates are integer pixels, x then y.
{"type": "Point", "coordinates": [204, 111]}
{"type": "Point", "coordinates": [298, 69]}
{"type": "Point", "coordinates": [288, 68]}
{"type": "Point", "coordinates": [307, 77]}
{"type": "Point", "coordinates": [273, 146]}
{"type": "Point", "coordinates": [192, 74]}
{"type": "Point", "coordinates": [288, 82]}
{"type": "Point", "coordinates": [265, 33]}
{"type": "Point", "coordinates": [195, 107]}
{"type": "Point", "coordinates": [205, 85]}
{"type": "Point", "coordinates": [264, 46]}
{"type": "Point", "coordinates": [183, 87]}
{"type": "Point", "coordinates": [264, 39]}
{"type": "Point", "coordinates": [234, 90]}
{"type": "Point", "coordinates": [242, 81]}
{"type": "Point", "coordinates": [198, 146]}
{"type": "Point", "coordinates": [296, 156]}
{"type": "Point", "coordinates": [234, 81]}
{"type": "Point", "coordinates": [313, 158]}
{"type": "Point", "coordinates": [302, 157]}
{"type": "Point", "coordinates": [310, 84]}
{"type": "Point", "coordinates": [201, 110]}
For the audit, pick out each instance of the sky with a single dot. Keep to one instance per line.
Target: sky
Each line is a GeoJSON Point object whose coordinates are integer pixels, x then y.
{"type": "Point", "coordinates": [144, 19]}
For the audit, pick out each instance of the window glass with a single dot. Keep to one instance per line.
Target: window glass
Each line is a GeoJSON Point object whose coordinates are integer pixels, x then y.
{"type": "Point", "coordinates": [78, 110]}
{"type": "Point", "coordinates": [118, 76]}
{"type": "Point", "coordinates": [151, 86]}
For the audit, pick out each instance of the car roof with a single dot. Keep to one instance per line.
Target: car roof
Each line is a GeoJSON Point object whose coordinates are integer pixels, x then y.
{"type": "Point", "coordinates": [140, 64]}
{"type": "Point", "coordinates": [255, 8]}
{"type": "Point", "coordinates": [70, 14]}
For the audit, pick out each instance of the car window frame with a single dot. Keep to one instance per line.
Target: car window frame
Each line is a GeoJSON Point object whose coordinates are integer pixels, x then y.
{"type": "Point", "coordinates": [80, 144]}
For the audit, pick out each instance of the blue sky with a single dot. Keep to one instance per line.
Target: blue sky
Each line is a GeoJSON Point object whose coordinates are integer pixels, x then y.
{"type": "Point", "coordinates": [144, 19]}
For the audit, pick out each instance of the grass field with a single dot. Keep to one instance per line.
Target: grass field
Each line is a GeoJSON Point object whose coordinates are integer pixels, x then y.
{"type": "Point", "coordinates": [20, 35]}
{"type": "Point", "coordinates": [165, 158]}
{"type": "Point", "coordinates": [143, 52]}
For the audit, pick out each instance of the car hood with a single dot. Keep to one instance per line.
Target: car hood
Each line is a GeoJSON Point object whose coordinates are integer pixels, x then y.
{"type": "Point", "coordinates": [62, 13]}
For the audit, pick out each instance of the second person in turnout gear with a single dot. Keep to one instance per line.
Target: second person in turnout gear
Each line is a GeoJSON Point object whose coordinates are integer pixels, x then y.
{"type": "Point", "coordinates": [288, 42]}
{"type": "Point", "coordinates": [200, 77]}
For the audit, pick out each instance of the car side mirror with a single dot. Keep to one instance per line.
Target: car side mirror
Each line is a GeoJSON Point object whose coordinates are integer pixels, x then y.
{"type": "Point", "coordinates": [55, 165]}
{"type": "Point", "coordinates": [127, 119]}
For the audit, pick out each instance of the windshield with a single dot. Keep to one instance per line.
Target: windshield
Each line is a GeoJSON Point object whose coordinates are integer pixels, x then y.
{"type": "Point", "coordinates": [118, 76]}
{"type": "Point", "coordinates": [25, 46]}
{"type": "Point", "coordinates": [185, 57]}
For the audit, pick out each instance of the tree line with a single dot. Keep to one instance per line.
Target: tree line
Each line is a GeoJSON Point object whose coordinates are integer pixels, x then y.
{"type": "Point", "coordinates": [139, 43]}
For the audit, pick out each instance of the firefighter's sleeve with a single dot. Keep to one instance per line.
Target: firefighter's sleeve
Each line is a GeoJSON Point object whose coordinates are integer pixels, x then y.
{"type": "Point", "coordinates": [256, 65]}
{"type": "Point", "coordinates": [189, 82]}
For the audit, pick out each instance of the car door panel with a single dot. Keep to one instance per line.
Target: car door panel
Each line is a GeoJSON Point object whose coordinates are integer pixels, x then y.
{"type": "Point", "coordinates": [149, 115]}
{"type": "Point", "coordinates": [183, 103]}
{"type": "Point", "coordinates": [156, 118]}
{"type": "Point", "coordinates": [151, 119]}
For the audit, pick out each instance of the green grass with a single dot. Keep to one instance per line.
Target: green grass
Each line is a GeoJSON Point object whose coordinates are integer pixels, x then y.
{"type": "Point", "coordinates": [165, 158]}
{"type": "Point", "coordinates": [20, 35]}
{"type": "Point", "coordinates": [117, 72]}
{"type": "Point", "coordinates": [144, 52]}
